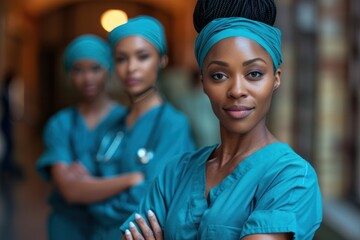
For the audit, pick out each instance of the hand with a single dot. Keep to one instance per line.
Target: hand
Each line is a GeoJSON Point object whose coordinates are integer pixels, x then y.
{"type": "Point", "coordinates": [154, 232]}
{"type": "Point", "coordinates": [77, 171]}
{"type": "Point", "coordinates": [135, 178]}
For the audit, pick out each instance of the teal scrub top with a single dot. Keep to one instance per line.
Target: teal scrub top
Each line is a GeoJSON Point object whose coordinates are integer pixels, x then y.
{"type": "Point", "coordinates": [172, 136]}
{"type": "Point", "coordinates": [68, 139]}
{"type": "Point", "coordinates": [273, 190]}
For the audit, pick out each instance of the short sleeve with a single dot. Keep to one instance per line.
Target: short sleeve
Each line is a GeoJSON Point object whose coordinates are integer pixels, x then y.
{"type": "Point", "coordinates": [175, 135]}
{"type": "Point", "coordinates": [56, 145]}
{"type": "Point", "coordinates": [290, 203]}
{"type": "Point", "coordinates": [161, 192]}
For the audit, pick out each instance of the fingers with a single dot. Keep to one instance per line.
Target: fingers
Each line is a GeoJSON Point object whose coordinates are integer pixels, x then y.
{"type": "Point", "coordinates": [155, 232]}
{"type": "Point", "coordinates": [128, 235]}
{"type": "Point", "coordinates": [156, 229]}
{"type": "Point", "coordinates": [134, 232]}
{"type": "Point", "coordinates": [137, 178]}
{"type": "Point", "coordinates": [147, 232]}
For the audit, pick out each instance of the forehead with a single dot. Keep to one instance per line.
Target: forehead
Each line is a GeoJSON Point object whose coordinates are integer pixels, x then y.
{"type": "Point", "coordinates": [134, 43]}
{"type": "Point", "coordinates": [85, 63]}
{"type": "Point", "coordinates": [238, 48]}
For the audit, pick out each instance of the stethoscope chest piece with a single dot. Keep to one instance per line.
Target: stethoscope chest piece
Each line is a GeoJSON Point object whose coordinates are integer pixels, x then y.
{"type": "Point", "coordinates": [144, 155]}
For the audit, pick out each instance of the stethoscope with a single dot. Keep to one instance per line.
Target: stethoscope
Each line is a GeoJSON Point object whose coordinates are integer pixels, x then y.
{"type": "Point", "coordinates": [109, 143]}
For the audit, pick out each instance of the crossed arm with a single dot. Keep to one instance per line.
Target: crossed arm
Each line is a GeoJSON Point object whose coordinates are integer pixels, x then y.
{"type": "Point", "coordinates": [154, 231]}
{"type": "Point", "coordinates": [77, 185]}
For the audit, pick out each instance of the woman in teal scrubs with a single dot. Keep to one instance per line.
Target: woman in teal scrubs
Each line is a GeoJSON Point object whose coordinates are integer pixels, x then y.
{"type": "Point", "coordinates": [70, 138]}
{"type": "Point", "coordinates": [251, 186]}
{"type": "Point", "coordinates": [151, 131]}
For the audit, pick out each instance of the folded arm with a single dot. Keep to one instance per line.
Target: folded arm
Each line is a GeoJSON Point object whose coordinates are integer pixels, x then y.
{"type": "Point", "coordinates": [78, 186]}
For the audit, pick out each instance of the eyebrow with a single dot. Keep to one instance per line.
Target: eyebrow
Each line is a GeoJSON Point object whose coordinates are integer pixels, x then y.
{"type": "Point", "coordinates": [221, 63]}
{"type": "Point", "coordinates": [248, 62]}
{"type": "Point", "coordinates": [140, 51]}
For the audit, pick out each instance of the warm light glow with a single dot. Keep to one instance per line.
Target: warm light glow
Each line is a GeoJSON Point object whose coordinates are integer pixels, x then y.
{"type": "Point", "coordinates": [113, 18]}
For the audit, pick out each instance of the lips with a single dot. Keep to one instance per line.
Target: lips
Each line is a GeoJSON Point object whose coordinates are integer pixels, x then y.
{"type": "Point", "coordinates": [239, 111]}
{"type": "Point", "coordinates": [131, 81]}
{"type": "Point", "coordinates": [90, 88]}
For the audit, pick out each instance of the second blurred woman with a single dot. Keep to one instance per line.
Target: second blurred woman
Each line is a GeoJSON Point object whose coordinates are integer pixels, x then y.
{"type": "Point", "coordinates": [150, 132]}
{"type": "Point", "coordinates": [70, 138]}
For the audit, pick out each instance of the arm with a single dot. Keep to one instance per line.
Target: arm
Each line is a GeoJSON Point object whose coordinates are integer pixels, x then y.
{"type": "Point", "coordinates": [119, 208]}
{"type": "Point", "coordinates": [78, 186]}
{"type": "Point", "coordinates": [160, 194]}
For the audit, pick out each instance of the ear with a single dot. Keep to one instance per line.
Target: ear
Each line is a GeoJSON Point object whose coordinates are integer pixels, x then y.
{"type": "Point", "coordinates": [277, 79]}
{"type": "Point", "coordinates": [202, 83]}
{"type": "Point", "coordinates": [164, 60]}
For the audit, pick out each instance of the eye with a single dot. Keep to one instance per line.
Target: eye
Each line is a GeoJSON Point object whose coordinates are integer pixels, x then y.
{"type": "Point", "coordinates": [255, 75]}
{"type": "Point", "coordinates": [96, 68]}
{"type": "Point", "coordinates": [218, 76]}
{"type": "Point", "coordinates": [76, 70]}
{"type": "Point", "coordinates": [143, 57]}
{"type": "Point", "coordinates": [120, 59]}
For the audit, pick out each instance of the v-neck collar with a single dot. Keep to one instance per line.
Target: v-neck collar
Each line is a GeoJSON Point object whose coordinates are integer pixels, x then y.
{"type": "Point", "coordinates": [141, 118]}
{"type": "Point", "coordinates": [81, 120]}
{"type": "Point", "coordinates": [199, 203]}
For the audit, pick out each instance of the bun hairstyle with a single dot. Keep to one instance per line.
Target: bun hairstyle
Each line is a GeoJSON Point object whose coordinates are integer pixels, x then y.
{"type": "Point", "coordinates": [259, 10]}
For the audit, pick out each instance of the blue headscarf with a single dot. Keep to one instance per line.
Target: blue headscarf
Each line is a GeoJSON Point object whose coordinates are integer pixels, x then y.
{"type": "Point", "coordinates": [265, 35]}
{"type": "Point", "coordinates": [147, 27]}
{"type": "Point", "coordinates": [88, 47]}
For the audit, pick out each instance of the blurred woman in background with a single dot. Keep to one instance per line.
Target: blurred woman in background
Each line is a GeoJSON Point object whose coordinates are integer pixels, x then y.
{"type": "Point", "coordinates": [151, 131]}
{"type": "Point", "coordinates": [71, 137]}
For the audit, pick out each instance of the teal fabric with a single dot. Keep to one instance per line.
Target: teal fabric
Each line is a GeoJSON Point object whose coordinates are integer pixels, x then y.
{"type": "Point", "coordinates": [88, 47]}
{"type": "Point", "coordinates": [173, 137]}
{"type": "Point", "coordinates": [265, 35]}
{"type": "Point", "coordinates": [273, 190]}
{"type": "Point", "coordinates": [144, 26]}
{"type": "Point", "coordinates": [67, 137]}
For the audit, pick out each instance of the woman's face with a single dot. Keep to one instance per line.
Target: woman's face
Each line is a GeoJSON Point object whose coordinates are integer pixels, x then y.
{"type": "Point", "coordinates": [137, 64]}
{"type": "Point", "coordinates": [89, 78]}
{"type": "Point", "coordinates": [238, 77]}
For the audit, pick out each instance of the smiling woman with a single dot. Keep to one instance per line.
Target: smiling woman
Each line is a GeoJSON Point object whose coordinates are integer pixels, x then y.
{"type": "Point", "coordinates": [250, 186]}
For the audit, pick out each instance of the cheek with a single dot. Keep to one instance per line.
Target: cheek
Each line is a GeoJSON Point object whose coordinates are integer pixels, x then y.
{"type": "Point", "coordinates": [264, 98]}
{"type": "Point", "coordinates": [77, 82]}
{"type": "Point", "coordinates": [215, 97]}
{"type": "Point", "coordinates": [119, 69]}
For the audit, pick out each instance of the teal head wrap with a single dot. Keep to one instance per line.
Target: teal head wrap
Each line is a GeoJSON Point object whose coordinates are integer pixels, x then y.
{"type": "Point", "coordinates": [144, 26]}
{"type": "Point", "coordinates": [88, 47]}
{"type": "Point", "coordinates": [265, 35]}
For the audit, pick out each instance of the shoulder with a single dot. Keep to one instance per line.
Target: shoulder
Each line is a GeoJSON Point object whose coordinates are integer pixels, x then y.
{"type": "Point", "coordinates": [291, 160]}
{"type": "Point", "coordinates": [63, 114]}
{"type": "Point", "coordinates": [188, 161]}
{"type": "Point", "coordinates": [173, 115]}
{"type": "Point", "coordinates": [286, 165]}
{"type": "Point", "coordinates": [62, 118]}
{"type": "Point", "coordinates": [119, 109]}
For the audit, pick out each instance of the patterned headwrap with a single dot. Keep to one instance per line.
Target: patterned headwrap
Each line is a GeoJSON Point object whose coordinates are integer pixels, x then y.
{"type": "Point", "coordinates": [144, 26]}
{"type": "Point", "coordinates": [88, 47]}
{"type": "Point", "coordinates": [265, 35]}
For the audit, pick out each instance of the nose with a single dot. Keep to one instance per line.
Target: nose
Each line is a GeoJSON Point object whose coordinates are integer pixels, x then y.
{"type": "Point", "coordinates": [131, 65]}
{"type": "Point", "coordinates": [237, 88]}
{"type": "Point", "coordinates": [88, 74]}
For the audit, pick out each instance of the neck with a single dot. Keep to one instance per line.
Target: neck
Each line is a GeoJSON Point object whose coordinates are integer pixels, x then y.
{"type": "Point", "coordinates": [144, 95]}
{"type": "Point", "coordinates": [145, 101]}
{"type": "Point", "coordinates": [89, 106]}
{"type": "Point", "coordinates": [236, 147]}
